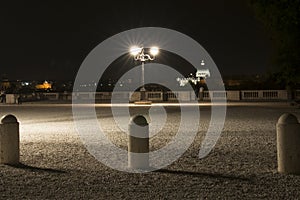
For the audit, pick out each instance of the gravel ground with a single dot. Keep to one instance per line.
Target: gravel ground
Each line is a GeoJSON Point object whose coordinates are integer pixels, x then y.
{"type": "Point", "coordinates": [56, 165]}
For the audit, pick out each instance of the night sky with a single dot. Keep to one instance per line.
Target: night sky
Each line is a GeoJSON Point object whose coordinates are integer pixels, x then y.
{"type": "Point", "coordinates": [48, 40]}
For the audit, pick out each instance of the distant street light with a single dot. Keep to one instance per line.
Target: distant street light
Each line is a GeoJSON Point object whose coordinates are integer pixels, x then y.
{"type": "Point", "coordinates": [138, 53]}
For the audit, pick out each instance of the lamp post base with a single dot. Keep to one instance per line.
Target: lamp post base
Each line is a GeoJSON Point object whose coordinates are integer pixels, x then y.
{"type": "Point", "coordinates": [143, 102]}
{"type": "Point", "coordinates": [143, 94]}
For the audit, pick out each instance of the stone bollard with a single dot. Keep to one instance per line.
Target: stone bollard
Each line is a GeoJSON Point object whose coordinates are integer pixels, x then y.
{"type": "Point", "coordinates": [288, 144]}
{"type": "Point", "coordinates": [138, 147]}
{"type": "Point", "coordinates": [9, 140]}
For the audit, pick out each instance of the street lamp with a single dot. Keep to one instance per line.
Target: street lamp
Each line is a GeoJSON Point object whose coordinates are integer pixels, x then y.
{"type": "Point", "coordinates": [138, 53]}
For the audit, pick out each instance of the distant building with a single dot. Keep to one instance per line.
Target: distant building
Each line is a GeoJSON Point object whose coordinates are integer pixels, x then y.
{"type": "Point", "coordinates": [202, 73]}
{"type": "Point", "coordinates": [4, 84]}
{"type": "Point", "coordinates": [44, 86]}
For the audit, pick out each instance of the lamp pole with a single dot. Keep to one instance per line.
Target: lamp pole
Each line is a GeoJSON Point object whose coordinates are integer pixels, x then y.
{"type": "Point", "coordinates": [138, 53]}
{"type": "Point", "coordinates": [143, 77]}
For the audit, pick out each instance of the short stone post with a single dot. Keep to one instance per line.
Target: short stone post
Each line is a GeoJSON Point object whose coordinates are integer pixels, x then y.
{"type": "Point", "coordinates": [138, 147]}
{"type": "Point", "coordinates": [288, 144]}
{"type": "Point", "coordinates": [9, 140]}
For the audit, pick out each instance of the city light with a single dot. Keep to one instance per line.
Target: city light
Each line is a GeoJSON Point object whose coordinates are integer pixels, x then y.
{"type": "Point", "coordinates": [154, 51]}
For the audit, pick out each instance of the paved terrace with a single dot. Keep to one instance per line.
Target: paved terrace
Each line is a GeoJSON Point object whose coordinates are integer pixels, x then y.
{"type": "Point", "coordinates": [56, 165]}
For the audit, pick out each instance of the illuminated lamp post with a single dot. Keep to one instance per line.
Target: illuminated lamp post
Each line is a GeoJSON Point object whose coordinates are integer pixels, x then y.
{"type": "Point", "coordinates": [138, 53]}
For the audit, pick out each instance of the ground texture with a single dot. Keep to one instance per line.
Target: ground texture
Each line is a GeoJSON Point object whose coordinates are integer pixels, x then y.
{"type": "Point", "coordinates": [56, 165]}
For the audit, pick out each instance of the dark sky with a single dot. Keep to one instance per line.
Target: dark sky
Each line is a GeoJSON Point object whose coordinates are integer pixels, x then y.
{"type": "Point", "coordinates": [49, 39]}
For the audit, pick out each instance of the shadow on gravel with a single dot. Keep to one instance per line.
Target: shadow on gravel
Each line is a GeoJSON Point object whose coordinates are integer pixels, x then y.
{"type": "Point", "coordinates": [199, 174]}
{"type": "Point", "coordinates": [37, 169]}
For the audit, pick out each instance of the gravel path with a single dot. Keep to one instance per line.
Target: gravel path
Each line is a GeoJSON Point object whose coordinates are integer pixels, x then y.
{"type": "Point", "coordinates": [56, 165]}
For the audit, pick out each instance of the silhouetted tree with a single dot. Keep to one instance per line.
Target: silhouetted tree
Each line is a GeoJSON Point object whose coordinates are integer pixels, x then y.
{"type": "Point", "coordinates": [282, 20]}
